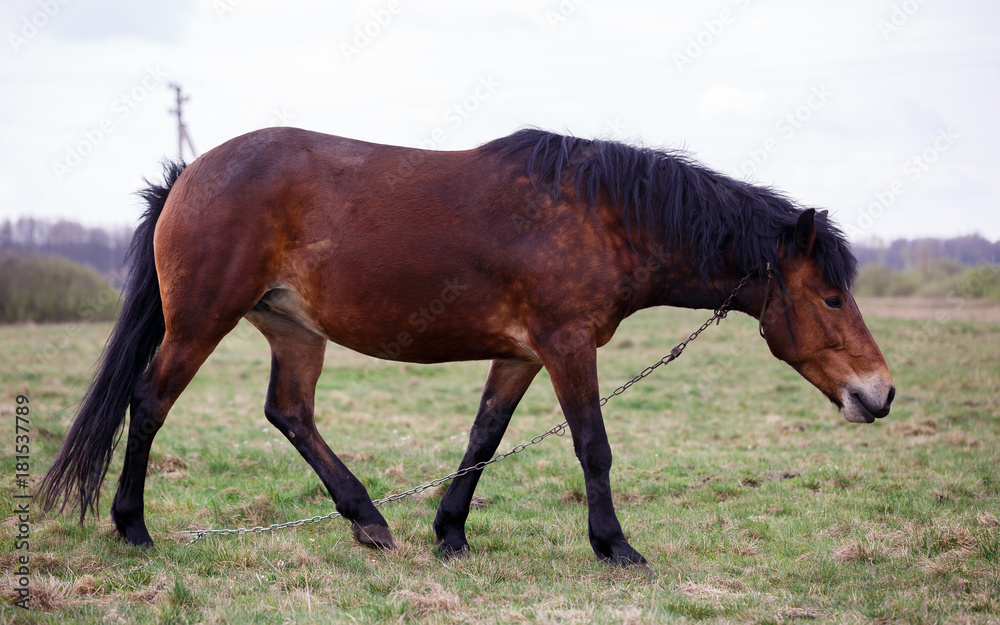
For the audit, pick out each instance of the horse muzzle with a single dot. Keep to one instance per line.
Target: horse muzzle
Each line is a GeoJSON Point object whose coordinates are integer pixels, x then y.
{"type": "Point", "coordinates": [864, 404]}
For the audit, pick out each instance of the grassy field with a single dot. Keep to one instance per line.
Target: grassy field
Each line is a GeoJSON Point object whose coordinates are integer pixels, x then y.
{"type": "Point", "coordinates": [752, 499]}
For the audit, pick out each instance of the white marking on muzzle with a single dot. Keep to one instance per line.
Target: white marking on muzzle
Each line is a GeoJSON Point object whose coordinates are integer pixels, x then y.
{"type": "Point", "coordinates": [866, 399]}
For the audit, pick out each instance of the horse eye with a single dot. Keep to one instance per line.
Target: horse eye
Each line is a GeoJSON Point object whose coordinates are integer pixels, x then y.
{"type": "Point", "coordinates": [833, 302]}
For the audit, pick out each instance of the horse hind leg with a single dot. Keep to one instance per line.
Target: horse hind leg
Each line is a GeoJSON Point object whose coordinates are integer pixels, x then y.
{"type": "Point", "coordinates": [173, 367]}
{"type": "Point", "coordinates": [296, 363]}
{"type": "Point", "coordinates": [192, 332]}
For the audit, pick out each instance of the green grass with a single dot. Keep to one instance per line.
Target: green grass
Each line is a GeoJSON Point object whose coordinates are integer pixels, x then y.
{"type": "Point", "coordinates": [752, 499]}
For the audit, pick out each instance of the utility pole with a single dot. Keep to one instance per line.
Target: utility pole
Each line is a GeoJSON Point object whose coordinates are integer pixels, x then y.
{"type": "Point", "coordinates": [182, 133]}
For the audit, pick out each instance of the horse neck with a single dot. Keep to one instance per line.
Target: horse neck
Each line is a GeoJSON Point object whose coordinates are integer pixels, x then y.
{"type": "Point", "coordinates": [679, 282]}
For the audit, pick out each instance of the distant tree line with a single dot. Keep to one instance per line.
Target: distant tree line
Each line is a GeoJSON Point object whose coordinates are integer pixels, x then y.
{"type": "Point", "coordinates": [100, 248]}
{"type": "Point", "coordinates": [905, 254]}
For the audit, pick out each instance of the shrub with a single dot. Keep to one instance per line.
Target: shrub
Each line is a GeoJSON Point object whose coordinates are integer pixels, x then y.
{"type": "Point", "coordinates": [938, 278]}
{"type": "Point", "coordinates": [981, 281]}
{"type": "Point", "coordinates": [43, 289]}
{"type": "Point", "coordinates": [874, 279]}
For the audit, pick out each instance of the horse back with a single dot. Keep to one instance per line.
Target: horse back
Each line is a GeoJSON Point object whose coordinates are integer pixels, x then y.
{"type": "Point", "coordinates": [423, 256]}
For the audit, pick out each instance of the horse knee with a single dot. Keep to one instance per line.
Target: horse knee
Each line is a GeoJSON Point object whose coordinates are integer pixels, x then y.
{"type": "Point", "coordinates": [596, 459]}
{"type": "Point", "coordinates": [293, 426]}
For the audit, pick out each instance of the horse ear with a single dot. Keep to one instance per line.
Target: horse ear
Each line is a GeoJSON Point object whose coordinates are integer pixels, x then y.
{"type": "Point", "coordinates": [805, 233]}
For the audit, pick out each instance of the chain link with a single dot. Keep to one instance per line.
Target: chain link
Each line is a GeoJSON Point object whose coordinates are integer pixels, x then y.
{"type": "Point", "coordinates": [718, 315]}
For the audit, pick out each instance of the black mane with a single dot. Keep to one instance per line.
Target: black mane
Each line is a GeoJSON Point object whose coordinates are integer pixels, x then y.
{"type": "Point", "coordinates": [717, 215]}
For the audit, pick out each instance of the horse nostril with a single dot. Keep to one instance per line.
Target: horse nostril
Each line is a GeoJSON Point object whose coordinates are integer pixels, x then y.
{"type": "Point", "coordinates": [892, 395]}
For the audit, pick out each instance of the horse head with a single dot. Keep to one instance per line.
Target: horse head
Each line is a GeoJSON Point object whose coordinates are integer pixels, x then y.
{"type": "Point", "coordinates": [816, 328]}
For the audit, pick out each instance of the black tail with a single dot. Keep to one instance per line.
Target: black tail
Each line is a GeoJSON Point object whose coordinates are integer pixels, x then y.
{"type": "Point", "coordinates": [76, 475]}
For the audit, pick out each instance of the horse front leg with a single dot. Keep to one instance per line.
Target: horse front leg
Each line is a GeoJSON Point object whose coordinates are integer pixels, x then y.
{"type": "Point", "coordinates": [505, 386]}
{"type": "Point", "coordinates": [571, 361]}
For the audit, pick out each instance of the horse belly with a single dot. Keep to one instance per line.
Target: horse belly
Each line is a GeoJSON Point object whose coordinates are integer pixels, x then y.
{"type": "Point", "coordinates": [410, 320]}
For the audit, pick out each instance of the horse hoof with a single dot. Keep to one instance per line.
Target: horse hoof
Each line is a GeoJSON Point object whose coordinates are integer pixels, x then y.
{"type": "Point", "coordinates": [630, 561]}
{"type": "Point", "coordinates": [447, 552]}
{"type": "Point", "coordinates": [622, 555]}
{"type": "Point", "coordinates": [132, 532]}
{"type": "Point", "coordinates": [374, 536]}
{"type": "Point", "coordinates": [137, 539]}
{"type": "Point", "coordinates": [639, 567]}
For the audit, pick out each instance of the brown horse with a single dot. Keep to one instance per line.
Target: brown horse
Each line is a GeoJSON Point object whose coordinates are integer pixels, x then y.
{"type": "Point", "coordinates": [528, 251]}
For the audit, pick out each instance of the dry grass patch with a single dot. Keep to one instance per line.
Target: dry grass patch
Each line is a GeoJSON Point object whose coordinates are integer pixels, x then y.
{"type": "Point", "coordinates": [112, 617]}
{"type": "Point", "coordinates": [150, 593]}
{"type": "Point", "coordinates": [626, 616]}
{"type": "Point", "coordinates": [837, 530]}
{"type": "Point", "coordinates": [983, 596]}
{"type": "Point", "coordinates": [745, 545]}
{"type": "Point", "coordinates": [950, 538]}
{"type": "Point", "coordinates": [86, 585]}
{"type": "Point", "coordinates": [945, 563]}
{"type": "Point", "coordinates": [260, 511]}
{"type": "Point", "coordinates": [167, 464]}
{"type": "Point", "coordinates": [924, 427]}
{"type": "Point", "coordinates": [565, 617]}
{"type": "Point", "coordinates": [960, 438]}
{"type": "Point", "coordinates": [861, 550]}
{"type": "Point", "coordinates": [988, 520]}
{"type": "Point", "coordinates": [432, 599]}
{"type": "Point", "coordinates": [936, 550]}
{"type": "Point", "coordinates": [47, 593]}
{"type": "Point", "coordinates": [350, 456]}
{"type": "Point", "coordinates": [45, 562]}
{"type": "Point", "coordinates": [713, 593]}
{"type": "Point", "coordinates": [572, 497]}
{"type": "Point", "coordinates": [955, 545]}
{"type": "Point", "coordinates": [791, 614]}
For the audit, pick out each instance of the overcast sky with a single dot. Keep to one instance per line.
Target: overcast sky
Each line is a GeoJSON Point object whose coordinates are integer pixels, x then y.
{"type": "Point", "coordinates": [883, 111]}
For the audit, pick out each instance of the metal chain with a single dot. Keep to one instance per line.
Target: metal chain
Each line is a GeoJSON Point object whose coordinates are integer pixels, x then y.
{"type": "Point", "coordinates": [558, 430]}
{"type": "Point", "coordinates": [717, 316]}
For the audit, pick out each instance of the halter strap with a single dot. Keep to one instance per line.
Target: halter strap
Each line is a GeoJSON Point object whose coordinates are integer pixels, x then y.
{"type": "Point", "coordinates": [763, 306]}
